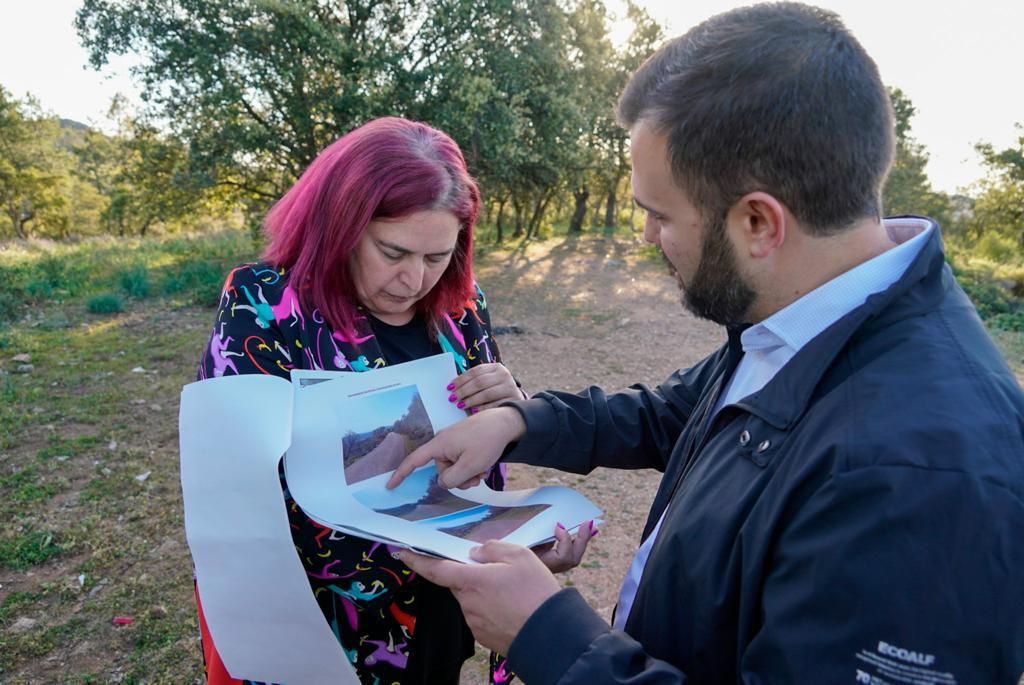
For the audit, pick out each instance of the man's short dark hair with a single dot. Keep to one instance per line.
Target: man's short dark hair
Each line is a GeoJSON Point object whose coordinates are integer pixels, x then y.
{"type": "Point", "coordinates": [775, 97]}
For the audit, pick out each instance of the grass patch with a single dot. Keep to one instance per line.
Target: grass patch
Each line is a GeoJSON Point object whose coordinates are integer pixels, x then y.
{"type": "Point", "coordinates": [188, 268]}
{"type": "Point", "coordinates": [108, 303]}
{"type": "Point", "coordinates": [27, 485]}
{"type": "Point", "coordinates": [67, 447]}
{"type": "Point", "coordinates": [28, 549]}
{"type": "Point", "coordinates": [15, 601]}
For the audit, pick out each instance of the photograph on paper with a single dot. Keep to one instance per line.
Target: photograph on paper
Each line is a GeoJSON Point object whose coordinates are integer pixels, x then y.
{"type": "Point", "coordinates": [490, 523]}
{"type": "Point", "coordinates": [351, 430]}
{"type": "Point", "coordinates": [380, 430]}
{"type": "Point", "coordinates": [419, 497]}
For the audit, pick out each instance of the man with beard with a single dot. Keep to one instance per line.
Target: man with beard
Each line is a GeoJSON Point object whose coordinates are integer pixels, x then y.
{"type": "Point", "coordinates": [843, 498]}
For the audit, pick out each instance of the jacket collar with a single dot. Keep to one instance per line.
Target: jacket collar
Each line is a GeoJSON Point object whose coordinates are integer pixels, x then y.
{"type": "Point", "coordinates": [785, 398]}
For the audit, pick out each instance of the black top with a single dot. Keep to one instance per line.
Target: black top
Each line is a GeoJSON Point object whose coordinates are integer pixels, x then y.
{"type": "Point", "coordinates": [405, 343]}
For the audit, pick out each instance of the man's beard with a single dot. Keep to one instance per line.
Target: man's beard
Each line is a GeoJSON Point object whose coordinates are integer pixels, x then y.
{"type": "Point", "coordinates": [717, 291]}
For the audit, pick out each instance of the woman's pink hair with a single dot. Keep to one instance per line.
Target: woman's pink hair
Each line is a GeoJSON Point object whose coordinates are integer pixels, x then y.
{"type": "Point", "coordinates": [386, 169]}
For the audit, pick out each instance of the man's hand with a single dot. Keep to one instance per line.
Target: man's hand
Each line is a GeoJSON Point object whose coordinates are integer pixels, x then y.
{"type": "Point", "coordinates": [484, 386]}
{"type": "Point", "coordinates": [497, 595]}
{"type": "Point", "coordinates": [567, 551]}
{"type": "Point", "coordinates": [465, 452]}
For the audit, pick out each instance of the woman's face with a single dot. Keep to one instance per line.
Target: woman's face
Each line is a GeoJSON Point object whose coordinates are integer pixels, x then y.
{"type": "Point", "coordinates": [398, 261]}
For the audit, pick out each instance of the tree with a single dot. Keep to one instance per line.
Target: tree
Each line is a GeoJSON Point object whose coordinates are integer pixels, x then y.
{"type": "Point", "coordinates": [32, 169]}
{"type": "Point", "coordinates": [907, 189]}
{"type": "Point", "coordinates": [144, 176]}
{"type": "Point", "coordinates": [257, 89]}
{"type": "Point", "coordinates": [645, 37]}
{"type": "Point", "coordinates": [999, 208]}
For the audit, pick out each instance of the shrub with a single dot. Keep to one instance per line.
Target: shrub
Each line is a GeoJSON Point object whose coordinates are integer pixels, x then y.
{"type": "Point", "coordinates": [135, 282]}
{"type": "Point", "coordinates": [1008, 321]}
{"type": "Point", "coordinates": [200, 282]}
{"type": "Point", "coordinates": [39, 290]}
{"type": "Point", "coordinates": [998, 248]}
{"type": "Point", "coordinates": [108, 303]}
{"type": "Point", "coordinates": [10, 306]}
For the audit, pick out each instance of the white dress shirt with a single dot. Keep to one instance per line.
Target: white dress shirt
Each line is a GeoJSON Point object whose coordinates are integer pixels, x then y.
{"type": "Point", "coordinates": [769, 345]}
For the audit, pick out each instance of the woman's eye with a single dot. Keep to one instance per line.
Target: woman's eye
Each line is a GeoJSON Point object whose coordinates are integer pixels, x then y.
{"type": "Point", "coordinates": [436, 259]}
{"type": "Point", "coordinates": [392, 257]}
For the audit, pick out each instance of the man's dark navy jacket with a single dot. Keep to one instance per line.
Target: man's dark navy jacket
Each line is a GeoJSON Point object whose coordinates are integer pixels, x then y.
{"type": "Point", "coordinates": [858, 520]}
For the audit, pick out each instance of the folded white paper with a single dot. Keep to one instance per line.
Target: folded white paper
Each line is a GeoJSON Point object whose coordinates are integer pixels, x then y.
{"type": "Point", "coordinates": [343, 434]}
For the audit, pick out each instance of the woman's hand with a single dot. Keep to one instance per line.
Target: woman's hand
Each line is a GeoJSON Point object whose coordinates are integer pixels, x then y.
{"type": "Point", "coordinates": [484, 386]}
{"type": "Point", "coordinates": [567, 551]}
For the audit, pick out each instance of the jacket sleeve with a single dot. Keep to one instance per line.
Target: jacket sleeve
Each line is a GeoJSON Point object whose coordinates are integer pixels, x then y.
{"type": "Point", "coordinates": [246, 337]}
{"type": "Point", "coordinates": [895, 574]}
{"type": "Point", "coordinates": [632, 429]}
{"type": "Point", "coordinates": [566, 642]}
{"type": "Point", "coordinates": [858, 592]}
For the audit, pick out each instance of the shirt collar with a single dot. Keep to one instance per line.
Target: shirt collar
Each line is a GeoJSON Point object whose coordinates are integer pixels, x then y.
{"type": "Point", "coordinates": [801, 321]}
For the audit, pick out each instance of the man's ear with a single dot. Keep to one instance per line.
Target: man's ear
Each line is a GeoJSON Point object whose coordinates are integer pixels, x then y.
{"type": "Point", "coordinates": [757, 221]}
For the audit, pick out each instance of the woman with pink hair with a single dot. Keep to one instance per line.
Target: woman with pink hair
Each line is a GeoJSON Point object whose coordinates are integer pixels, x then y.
{"type": "Point", "coordinates": [369, 263]}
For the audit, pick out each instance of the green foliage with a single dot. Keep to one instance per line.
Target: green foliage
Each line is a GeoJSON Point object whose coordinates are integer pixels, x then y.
{"type": "Point", "coordinates": [187, 268]}
{"type": "Point", "coordinates": [10, 305]}
{"type": "Point", "coordinates": [1009, 321]}
{"type": "Point", "coordinates": [199, 281]}
{"type": "Point", "coordinates": [257, 89]}
{"type": "Point", "coordinates": [907, 189]}
{"type": "Point", "coordinates": [999, 208]}
{"type": "Point", "coordinates": [135, 282]}
{"type": "Point", "coordinates": [13, 601]}
{"type": "Point", "coordinates": [995, 289]}
{"type": "Point", "coordinates": [32, 170]}
{"type": "Point", "coordinates": [109, 303]}
{"type": "Point", "coordinates": [997, 247]}
{"type": "Point", "coordinates": [145, 177]}
{"type": "Point", "coordinates": [27, 485]}
{"type": "Point", "coordinates": [28, 548]}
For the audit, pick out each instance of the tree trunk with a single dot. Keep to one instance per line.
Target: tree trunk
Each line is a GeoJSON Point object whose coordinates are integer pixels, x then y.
{"type": "Point", "coordinates": [538, 213]}
{"type": "Point", "coordinates": [576, 222]}
{"type": "Point", "coordinates": [22, 217]}
{"type": "Point", "coordinates": [488, 206]}
{"type": "Point", "coordinates": [517, 205]}
{"type": "Point", "coordinates": [498, 223]}
{"type": "Point", "coordinates": [609, 211]}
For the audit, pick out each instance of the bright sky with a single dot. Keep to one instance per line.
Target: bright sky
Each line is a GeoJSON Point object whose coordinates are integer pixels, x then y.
{"type": "Point", "coordinates": [381, 409]}
{"type": "Point", "coordinates": [958, 62]}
